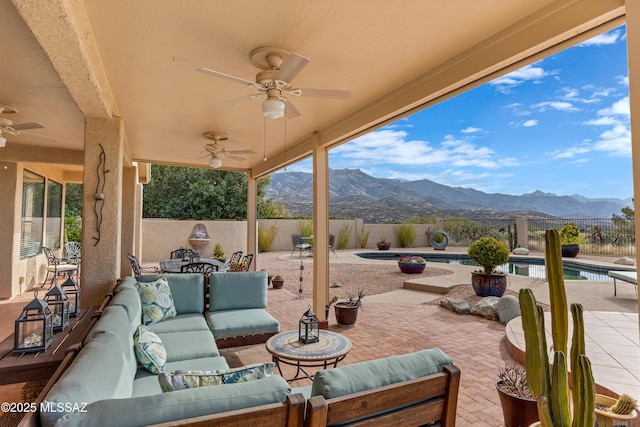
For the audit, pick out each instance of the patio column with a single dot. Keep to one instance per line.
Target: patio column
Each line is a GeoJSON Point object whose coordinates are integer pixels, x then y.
{"type": "Point", "coordinates": [10, 214]}
{"type": "Point", "coordinates": [252, 217]}
{"type": "Point", "coordinates": [129, 202]}
{"type": "Point", "coordinates": [633, 57]}
{"type": "Point", "coordinates": [101, 207]}
{"type": "Point", "coordinates": [320, 230]}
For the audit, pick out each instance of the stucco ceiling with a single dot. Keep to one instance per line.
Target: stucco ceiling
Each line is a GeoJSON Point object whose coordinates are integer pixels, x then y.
{"type": "Point", "coordinates": [140, 58]}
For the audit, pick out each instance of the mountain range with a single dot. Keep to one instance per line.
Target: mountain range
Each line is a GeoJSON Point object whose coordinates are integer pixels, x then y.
{"type": "Point", "coordinates": [354, 194]}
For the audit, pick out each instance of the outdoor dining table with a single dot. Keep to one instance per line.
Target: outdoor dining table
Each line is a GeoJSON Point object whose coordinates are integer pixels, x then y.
{"type": "Point", "coordinates": [174, 265]}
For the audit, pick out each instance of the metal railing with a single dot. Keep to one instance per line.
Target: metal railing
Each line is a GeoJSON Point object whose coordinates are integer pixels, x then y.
{"type": "Point", "coordinates": [463, 232]}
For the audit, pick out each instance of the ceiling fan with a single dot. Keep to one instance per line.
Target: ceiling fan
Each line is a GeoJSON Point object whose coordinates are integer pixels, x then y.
{"type": "Point", "coordinates": [218, 151]}
{"type": "Point", "coordinates": [279, 67]}
{"type": "Point", "coordinates": [7, 127]}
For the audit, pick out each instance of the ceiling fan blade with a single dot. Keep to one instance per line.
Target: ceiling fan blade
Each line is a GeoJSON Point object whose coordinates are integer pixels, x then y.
{"type": "Point", "coordinates": [241, 152]}
{"type": "Point", "coordinates": [291, 67]}
{"type": "Point", "coordinates": [25, 126]}
{"type": "Point", "coordinates": [290, 110]}
{"type": "Point", "coordinates": [36, 136]}
{"type": "Point", "coordinates": [235, 158]}
{"type": "Point", "coordinates": [325, 93]}
{"type": "Point", "coordinates": [238, 100]}
{"type": "Point", "coordinates": [225, 76]}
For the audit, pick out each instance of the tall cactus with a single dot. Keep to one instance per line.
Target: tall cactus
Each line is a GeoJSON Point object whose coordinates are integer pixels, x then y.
{"type": "Point", "coordinates": [550, 385]}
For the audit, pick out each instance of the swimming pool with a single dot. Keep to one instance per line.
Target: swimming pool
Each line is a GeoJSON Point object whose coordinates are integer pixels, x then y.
{"type": "Point", "coordinates": [521, 266]}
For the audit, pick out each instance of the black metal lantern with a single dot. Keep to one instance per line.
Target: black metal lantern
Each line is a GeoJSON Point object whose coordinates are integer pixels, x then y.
{"type": "Point", "coordinates": [59, 303]}
{"type": "Point", "coordinates": [34, 327]}
{"type": "Point", "coordinates": [309, 327]}
{"type": "Point", "coordinates": [72, 290]}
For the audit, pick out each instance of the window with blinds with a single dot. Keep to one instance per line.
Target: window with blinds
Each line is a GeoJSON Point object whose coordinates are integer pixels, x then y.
{"type": "Point", "coordinates": [54, 215]}
{"type": "Point", "coordinates": [32, 214]}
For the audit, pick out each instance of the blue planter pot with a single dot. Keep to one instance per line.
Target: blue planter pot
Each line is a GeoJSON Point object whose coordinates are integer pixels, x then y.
{"type": "Point", "coordinates": [411, 268]}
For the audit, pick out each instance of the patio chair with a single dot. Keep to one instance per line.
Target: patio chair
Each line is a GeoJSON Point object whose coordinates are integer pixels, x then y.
{"type": "Point", "coordinates": [332, 240]}
{"type": "Point", "coordinates": [299, 244]}
{"type": "Point", "coordinates": [244, 264]}
{"type": "Point", "coordinates": [73, 251]}
{"type": "Point", "coordinates": [185, 253]}
{"type": "Point", "coordinates": [57, 266]}
{"type": "Point", "coordinates": [137, 269]}
{"type": "Point", "coordinates": [234, 259]}
{"type": "Point", "coordinates": [204, 268]}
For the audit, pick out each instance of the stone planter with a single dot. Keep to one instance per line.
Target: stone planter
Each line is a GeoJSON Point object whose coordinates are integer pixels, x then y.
{"type": "Point", "coordinates": [489, 285]}
{"type": "Point", "coordinates": [383, 246]}
{"type": "Point", "coordinates": [517, 411]}
{"type": "Point", "coordinates": [609, 419]}
{"type": "Point", "coordinates": [411, 267]}
{"type": "Point", "coordinates": [438, 239]}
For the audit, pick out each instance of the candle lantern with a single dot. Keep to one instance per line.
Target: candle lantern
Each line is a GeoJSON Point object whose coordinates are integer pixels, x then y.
{"type": "Point", "coordinates": [309, 327]}
{"type": "Point", "coordinates": [59, 303]}
{"type": "Point", "coordinates": [72, 290]}
{"type": "Point", "coordinates": [34, 327]}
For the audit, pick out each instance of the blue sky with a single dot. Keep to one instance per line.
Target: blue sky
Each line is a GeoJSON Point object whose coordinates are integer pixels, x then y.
{"type": "Point", "coordinates": [560, 125]}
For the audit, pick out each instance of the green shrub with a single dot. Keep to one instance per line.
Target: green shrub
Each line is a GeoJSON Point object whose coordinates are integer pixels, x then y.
{"type": "Point", "coordinates": [344, 234]}
{"type": "Point", "coordinates": [489, 253]}
{"type": "Point", "coordinates": [570, 235]}
{"type": "Point", "coordinates": [218, 251]}
{"type": "Point", "coordinates": [363, 237]}
{"type": "Point", "coordinates": [406, 234]}
{"type": "Point", "coordinates": [73, 229]}
{"type": "Point", "coordinates": [305, 227]}
{"type": "Point", "coordinates": [266, 234]}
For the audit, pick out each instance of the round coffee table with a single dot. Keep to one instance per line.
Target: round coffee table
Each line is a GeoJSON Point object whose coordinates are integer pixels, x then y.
{"type": "Point", "coordinates": [329, 350]}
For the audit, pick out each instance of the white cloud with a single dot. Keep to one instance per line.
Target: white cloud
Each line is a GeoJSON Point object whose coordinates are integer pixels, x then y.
{"type": "Point", "coordinates": [602, 121]}
{"type": "Point", "coordinates": [555, 105]}
{"type": "Point", "coordinates": [611, 37]}
{"type": "Point", "coordinates": [530, 123]}
{"type": "Point", "coordinates": [619, 108]}
{"type": "Point", "coordinates": [569, 153]}
{"type": "Point", "coordinates": [471, 129]}
{"type": "Point", "coordinates": [516, 78]}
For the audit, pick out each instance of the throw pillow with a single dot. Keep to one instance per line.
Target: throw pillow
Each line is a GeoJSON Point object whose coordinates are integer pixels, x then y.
{"type": "Point", "coordinates": [183, 379]}
{"type": "Point", "coordinates": [149, 350]}
{"type": "Point", "coordinates": [157, 301]}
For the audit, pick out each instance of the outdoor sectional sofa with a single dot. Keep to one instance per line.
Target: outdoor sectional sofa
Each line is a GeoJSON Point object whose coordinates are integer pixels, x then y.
{"type": "Point", "coordinates": [101, 382]}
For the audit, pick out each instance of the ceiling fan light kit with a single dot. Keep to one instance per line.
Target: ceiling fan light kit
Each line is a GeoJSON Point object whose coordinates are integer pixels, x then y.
{"type": "Point", "coordinates": [273, 108]}
{"type": "Point", "coordinates": [3, 141]}
{"type": "Point", "coordinates": [215, 163]}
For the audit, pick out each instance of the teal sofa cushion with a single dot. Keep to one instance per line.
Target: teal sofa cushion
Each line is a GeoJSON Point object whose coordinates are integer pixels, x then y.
{"type": "Point", "coordinates": [189, 345]}
{"type": "Point", "coordinates": [129, 299]}
{"type": "Point", "coordinates": [234, 291]}
{"type": "Point", "coordinates": [239, 323]}
{"type": "Point", "coordinates": [187, 290]}
{"type": "Point", "coordinates": [362, 376]}
{"type": "Point", "coordinates": [146, 383]}
{"type": "Point", "coordinates": [165, 407]}
{"type": "Point", "coordinates": [124, 283]}
{"type": "Point", "coordinates": [181, 323]}
{"type": "Point", "coordinates": [96, 373]}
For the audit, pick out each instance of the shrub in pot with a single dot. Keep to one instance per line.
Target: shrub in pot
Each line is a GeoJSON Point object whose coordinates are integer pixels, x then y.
{"type": "Point", "coordinates": [383, 245]}
{"type": "Point", "coordinates": [489, 253]}
{"type": "Point", "coordinates": [570, 240]}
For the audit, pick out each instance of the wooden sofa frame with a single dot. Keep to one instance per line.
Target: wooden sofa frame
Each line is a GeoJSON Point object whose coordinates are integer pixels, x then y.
{"type": "Point", "coordinates": [425, 400]}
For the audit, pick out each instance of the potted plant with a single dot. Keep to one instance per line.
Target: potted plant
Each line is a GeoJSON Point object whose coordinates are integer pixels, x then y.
{"type": "Point", "coordinates": [550, 387]}
{"type": "Point", "coordinates": [218, 253]}
{"type": "Point", "coordinates": [519, 408]}
{"type": "Point", "coordinates": [383, 245]}
{"type": "Point", "coordinates": [328, 306]}
{"type": "Point", "coordinates": [615, 412]}
{"type": "Point", "coordinates": [277, 282]}
{"type": "Point", "coordinates": [347, 311]}
{"type": "Point", "coordinates": [411, 264]}
{"type": "Point", "coordinates": [570, 240]}
{"type": "Point", "coordinates": [489, 253]}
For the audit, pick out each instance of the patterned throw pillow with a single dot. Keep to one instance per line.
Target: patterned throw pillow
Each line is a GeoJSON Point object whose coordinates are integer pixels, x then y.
{"type": "Point", "coordinates": [157, 302]}
{"type": "Point", "coordinates": [149, 350]}
{"type": "Point", "coordinates": [183, 379]}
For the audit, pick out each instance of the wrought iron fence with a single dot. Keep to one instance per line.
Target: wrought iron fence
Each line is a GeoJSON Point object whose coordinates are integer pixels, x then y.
{"type": "Point", "coordinates": [604, 236]}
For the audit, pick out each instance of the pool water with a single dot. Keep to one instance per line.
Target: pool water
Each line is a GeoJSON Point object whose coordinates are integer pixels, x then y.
{"type": "Point", "coordinates": [516, 265]}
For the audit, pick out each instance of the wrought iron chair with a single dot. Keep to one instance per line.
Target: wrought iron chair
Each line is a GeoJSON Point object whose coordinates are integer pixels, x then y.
{"type": "Point", "coordinates": [243, 265]}
{"type": "Point", "coordinates": [235, 258]}
{"type": "Point", "coordinates": [73, 251]}
{"type": "Point", "coordinates": [299, 244]}
{"type": "Point", "coordinates": [57, 266]}
{"type": "Point", "coordinates": [137, 269]}
{"type": "Point", "coordinates": [199, 267]}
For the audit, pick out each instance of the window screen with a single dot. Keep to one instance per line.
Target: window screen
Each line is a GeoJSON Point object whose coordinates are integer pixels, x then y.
{"type": "Point", "coordinates": [32, 214]}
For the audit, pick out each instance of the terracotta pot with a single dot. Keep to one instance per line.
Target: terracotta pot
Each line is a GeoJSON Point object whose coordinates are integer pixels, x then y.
{"type": "Point", "coordinates": [517, 412]}
{"type": "Point", "coordinates": [570, 251]}
{"type": "Point", "coordinates": [411, 267]}
{"type": "Point", "coordinates": [346, 315]}
{"type": "Point", "coordinates": [277, 283]}
{"type": "Point", "coordinates": [489, 285]}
